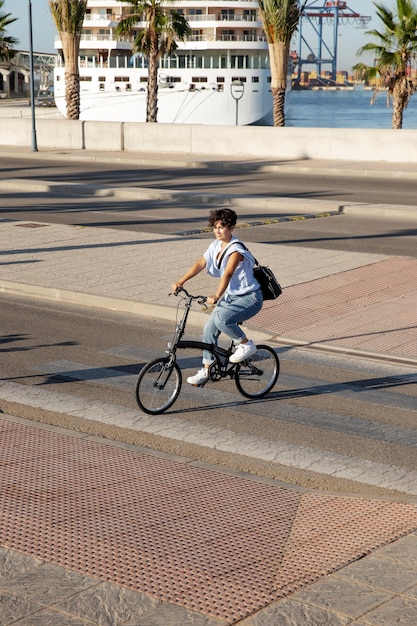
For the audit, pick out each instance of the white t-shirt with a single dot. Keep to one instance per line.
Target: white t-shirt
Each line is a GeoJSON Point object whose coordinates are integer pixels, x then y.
{"type": "Point", "coordinates": [243, 280]}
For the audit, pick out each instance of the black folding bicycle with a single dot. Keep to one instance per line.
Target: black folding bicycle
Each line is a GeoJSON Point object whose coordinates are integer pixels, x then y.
{"type": "Point", "coordinates": [159, 382]}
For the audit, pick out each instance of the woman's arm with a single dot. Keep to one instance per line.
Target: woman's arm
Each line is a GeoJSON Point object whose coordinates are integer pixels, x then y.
{"type": "Point", "coordinates": [193, 271]}
{"type": "Point", "coordinates": [232, 262]}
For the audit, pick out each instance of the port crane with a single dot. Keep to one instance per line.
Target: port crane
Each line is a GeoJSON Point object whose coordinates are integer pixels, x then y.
{"type": "Point", "coordinates": [323, 16]}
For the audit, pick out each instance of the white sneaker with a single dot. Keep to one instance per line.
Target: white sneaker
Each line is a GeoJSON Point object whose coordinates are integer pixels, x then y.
{"type": "Point", "coordinates": [199, 379]}
{"type": "Point", "coordinates": [243, 351]}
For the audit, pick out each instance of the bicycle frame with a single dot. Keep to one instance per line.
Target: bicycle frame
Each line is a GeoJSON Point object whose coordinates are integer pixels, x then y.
{"type": "Point", "coordinates": [220, 354]}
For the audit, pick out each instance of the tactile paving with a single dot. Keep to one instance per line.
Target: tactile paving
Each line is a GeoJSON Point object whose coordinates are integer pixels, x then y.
{"type": "Point", "coordinates": [369, 308]}
{"type": "Point", "coordinates": [213, 542]}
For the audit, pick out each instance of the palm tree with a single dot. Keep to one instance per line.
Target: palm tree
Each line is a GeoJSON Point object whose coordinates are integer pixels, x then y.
{"type": "Point", "coordinates": [361, 72]}
{"type": "Point", "coordinates": [280, 20]}
{"type": "Point", "coordinates": [6, 42]}
{"type": "Point", "coordinates": [394, 48]}
{"type": "Point", "coordinates": [161, 29]}
{"type": "Point", "coordinates": [69, 17]}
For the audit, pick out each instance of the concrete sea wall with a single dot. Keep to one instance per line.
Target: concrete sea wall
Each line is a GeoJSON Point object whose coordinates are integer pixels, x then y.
{"type": "Point", "coordinates": [393, 146]}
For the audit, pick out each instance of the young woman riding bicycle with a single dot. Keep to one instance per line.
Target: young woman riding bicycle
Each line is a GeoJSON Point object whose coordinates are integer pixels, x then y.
{"type": "Point", "coordinates": [238, 296]}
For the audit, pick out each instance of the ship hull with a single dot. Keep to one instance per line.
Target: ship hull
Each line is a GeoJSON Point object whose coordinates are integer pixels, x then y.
{"type": "Point", "coordinates": [178, 103]}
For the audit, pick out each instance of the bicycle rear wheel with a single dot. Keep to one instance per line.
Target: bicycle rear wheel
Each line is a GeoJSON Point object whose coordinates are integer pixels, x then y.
{"type": "Point", "coordinates": [158, 386]}
{"type": "Point", "coordinates": [256, 376]}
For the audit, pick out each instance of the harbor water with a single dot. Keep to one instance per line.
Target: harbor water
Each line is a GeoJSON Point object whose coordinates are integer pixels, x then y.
{"type": "Point", "coordinates": [344, 109]}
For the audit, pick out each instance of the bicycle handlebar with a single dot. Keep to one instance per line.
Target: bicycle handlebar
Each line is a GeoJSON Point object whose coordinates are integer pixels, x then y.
{"type": "Point", "coordinates": [200, 299]}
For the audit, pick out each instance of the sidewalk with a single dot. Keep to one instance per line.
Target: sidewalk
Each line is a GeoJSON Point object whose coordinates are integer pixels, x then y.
{"type": "Point", "coordinates": [351, 302]}
{"type": "Point", "coordinates": [96, 532]}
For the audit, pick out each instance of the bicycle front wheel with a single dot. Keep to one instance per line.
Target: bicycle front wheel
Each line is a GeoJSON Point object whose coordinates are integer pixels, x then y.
{"type": "Point", "coordinates": [158, 386]}
{"type": "Point", "coordinates": [256, 376]}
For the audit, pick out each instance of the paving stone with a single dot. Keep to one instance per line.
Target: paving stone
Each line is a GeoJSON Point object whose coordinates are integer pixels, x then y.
{"type": "Point", "coordinates": [411, 592]}
{"type": "Point", "coordinates": [382, 573]}
{"type": "Point", "coordinates": [48, 584]}
{"type": "Point", "coordinates": [335, 593]}
{"type": "Point", "coordinates": [13, 563]}
{"type": "Point", "coordinates": [289, 612]}
{"type": "Point", "coordinates": [404, 550]}
{"type": "Point", "coordinates": [109, 605]}
{"type": "Point", "coordinates": [13, 607]}
{"type": "Point", "coordinates": [170, 614]}
{"type": "Point", "coordinates": [49, 617]}
{"type": "Point", "coordinates": [400, 610]}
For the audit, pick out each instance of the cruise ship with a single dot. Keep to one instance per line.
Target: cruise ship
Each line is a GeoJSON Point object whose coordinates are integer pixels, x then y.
{"type": "Point", "coordinates": [220, 75]}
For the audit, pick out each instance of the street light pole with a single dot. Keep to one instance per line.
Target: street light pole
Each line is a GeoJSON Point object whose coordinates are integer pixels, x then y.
{"type": "Point", "coordinates": [32, 81]}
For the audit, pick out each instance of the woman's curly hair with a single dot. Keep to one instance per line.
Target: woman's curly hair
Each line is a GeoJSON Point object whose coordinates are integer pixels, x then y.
{"type": "Point", "coordinates": [226, 216]}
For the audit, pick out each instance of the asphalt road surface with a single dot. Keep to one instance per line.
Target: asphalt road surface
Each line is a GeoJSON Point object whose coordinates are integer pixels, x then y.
{"type": "Point", "coordinates": [340, 232]}
{"type": "Point", "coordinates": [331, 406]}
{"type": "Point", "coordinates": [215, 179]}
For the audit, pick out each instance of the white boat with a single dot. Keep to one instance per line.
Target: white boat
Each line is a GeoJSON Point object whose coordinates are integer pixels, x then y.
{"type": "Point", "coordinates": [220, 75]}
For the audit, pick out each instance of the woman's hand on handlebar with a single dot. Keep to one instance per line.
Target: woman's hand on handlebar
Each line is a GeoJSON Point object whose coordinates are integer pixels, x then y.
{"type": "Point", "coordinates": [175, 287]}
{"type": "Point", "coordinates": [212, 300]}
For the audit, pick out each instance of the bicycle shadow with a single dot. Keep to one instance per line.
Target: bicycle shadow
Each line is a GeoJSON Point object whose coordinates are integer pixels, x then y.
{"type": "Point", "coordinates": [382, 383]}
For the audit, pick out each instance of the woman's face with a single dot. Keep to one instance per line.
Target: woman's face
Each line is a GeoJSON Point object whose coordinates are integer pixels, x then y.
{"type": "Point", "coordinates": [222, 232]}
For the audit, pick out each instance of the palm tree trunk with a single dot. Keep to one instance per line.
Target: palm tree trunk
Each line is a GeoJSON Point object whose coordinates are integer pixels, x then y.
{"type": "Point", "coordinates": [72, 95]}
{"type": "Point", "coordinates": [400, 100]}
{"type": "Point", "coordinates": [278, 96]}
{"type": "Point", "coordinates": [70, 45]}
{"type": "Point", "coordinates": [278, 57]}
{"type": "Point", "coordinates": [152, 98]}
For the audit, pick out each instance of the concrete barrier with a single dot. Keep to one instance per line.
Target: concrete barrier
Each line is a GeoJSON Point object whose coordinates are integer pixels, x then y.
{"type": "Point", "coordinates": [392, 146]}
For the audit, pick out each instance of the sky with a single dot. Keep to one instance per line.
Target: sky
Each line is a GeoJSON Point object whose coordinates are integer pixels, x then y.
{"type": "Point", "coordinates": [350, 37]}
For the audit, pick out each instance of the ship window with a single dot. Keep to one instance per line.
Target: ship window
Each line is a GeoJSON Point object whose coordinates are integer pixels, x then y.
{"type": "Point", "coordinates": [269, 79]}
{"type": "Point", "coordinates": [102, 79]}
{"type": "Point", "coordinates": [223, 62]}
{"type": "Point", "coordinates": [220, 79]}
{"type": "Point", "coordinates": [104, 34]}
{"type": "Point", "coordinates": [121, 79]}
{"type": "Point", "coordinates": [85, 78]}
{"type": "Point", "coordinates": [199, 79]}
{"type": "Point", "coordinates": [128, 87]}
{"type": "Point", "coordinates": [249, 15]}
{"type": "Point", "coordinates": [220, 87]}
{"type": "Point", "coordinates": [101, 87]}
{"type": "Point", "coordinates": [104, 14]}
{"type": "Point", "coordinates": [192, 87]}
{"type": "Point", "coordinates": [227, 35]}
{"type": "Point", "coordinates": [228, 14]}
{"type": "Point", "coordinates": [238, 61]}
{"type": "Point", "coordinates": [143, 79]}
{"type": "Point", "coordinates": [197, 62]}
{"type": "Point", "coordinates": [239, 79]}
{"type": "Point", "coordinates": [255, 79]}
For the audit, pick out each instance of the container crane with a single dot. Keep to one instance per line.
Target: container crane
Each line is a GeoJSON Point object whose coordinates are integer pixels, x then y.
{"type": "Point", "coordinates": [318, 14]}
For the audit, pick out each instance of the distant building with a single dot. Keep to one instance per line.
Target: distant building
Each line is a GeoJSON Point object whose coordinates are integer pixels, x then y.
{"type": "Point", "coordinates": [15, 74]}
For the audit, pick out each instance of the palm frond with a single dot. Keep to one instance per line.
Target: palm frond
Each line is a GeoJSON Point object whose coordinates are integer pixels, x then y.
{"type": "Point", "coordinates": [68, 15]}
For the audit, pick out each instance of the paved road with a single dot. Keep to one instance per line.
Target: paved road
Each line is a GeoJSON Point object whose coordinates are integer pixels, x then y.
{"type": "Point", "coordinates": [322, 408]}
{"type": "Point", "coordinates": [212, 178]}
{"type": "Point", "coordinates": [159, 211]}
{"type": "Point", "coordinates": [236, 544]}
